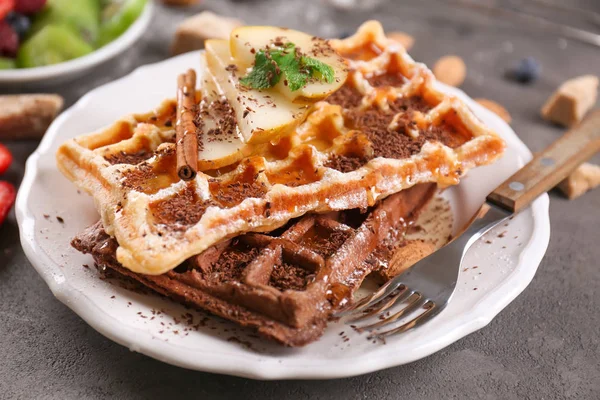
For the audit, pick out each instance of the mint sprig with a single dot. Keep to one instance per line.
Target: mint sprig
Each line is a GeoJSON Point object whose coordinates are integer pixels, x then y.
{"type": "Point", "coordinates": [264, 74]}
{"type": "Point", "coordinates": [319, 69]}
{"type": "Point", "coordinates": [270, 65]}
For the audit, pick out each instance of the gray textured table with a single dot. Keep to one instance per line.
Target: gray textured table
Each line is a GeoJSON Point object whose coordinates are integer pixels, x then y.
{"type": "Point", "coordinates": [543, 345]}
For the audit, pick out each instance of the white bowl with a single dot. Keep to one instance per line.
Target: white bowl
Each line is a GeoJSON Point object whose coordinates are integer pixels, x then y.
{"type": "Point", "coordinates": [74, 68]}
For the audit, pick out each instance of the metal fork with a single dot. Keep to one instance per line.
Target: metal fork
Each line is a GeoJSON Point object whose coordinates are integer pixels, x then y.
{"type": "Point", "coordinates": [429, 284]}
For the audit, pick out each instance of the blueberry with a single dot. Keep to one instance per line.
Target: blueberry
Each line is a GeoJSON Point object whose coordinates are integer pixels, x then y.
{"type": "Point", "coordinates": [19, 22]}
{"type": "Point", "coordinates": [526, 70]}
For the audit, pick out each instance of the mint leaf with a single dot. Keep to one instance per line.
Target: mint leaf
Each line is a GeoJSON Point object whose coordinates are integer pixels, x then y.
{"type": "Point", "coordinates": [289, 64]}
{"type": "Point", "coordinates": [271, 64]}
{"type": "Point", "coordinates": [264, 74]}
{"type": "Point", "coordinates": [295, 76]}
{"type": "Point", "coordinates": [319, 69]}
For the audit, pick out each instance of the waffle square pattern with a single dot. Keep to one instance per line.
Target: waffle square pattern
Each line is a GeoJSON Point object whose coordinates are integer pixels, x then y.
{"type": "Point", "coordinates": [386, 130]}
{"type": "Point", "coordinates": [285, 283]}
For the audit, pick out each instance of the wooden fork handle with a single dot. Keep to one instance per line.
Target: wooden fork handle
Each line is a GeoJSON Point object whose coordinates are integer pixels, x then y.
{"type": "Point", "coordinates": [550, 166]}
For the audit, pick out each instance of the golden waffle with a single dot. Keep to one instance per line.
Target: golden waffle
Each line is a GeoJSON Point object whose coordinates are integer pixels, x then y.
{"type": "Point", "coordinates": [386, 130]}
{"type": "Point", "coordinates": [287, 283]}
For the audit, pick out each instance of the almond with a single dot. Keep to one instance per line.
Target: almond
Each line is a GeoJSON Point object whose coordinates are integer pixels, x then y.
{"type": "Point", "coordinates": [450, 70]}
{"type": "Point", "coordinates": [495, 108]}
{"type": "Point", "coordinates": [405, 257]}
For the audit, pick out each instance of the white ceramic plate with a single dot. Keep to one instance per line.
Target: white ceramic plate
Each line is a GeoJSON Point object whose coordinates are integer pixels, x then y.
{"type": "Point", "coordinates": [506, 264]}
{"type": "Point", "coordinates": [74, 68]}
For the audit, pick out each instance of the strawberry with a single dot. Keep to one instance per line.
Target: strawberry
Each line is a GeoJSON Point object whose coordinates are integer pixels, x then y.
{"type": "Point", "coordinates": [7, 199]}
{"type": "Point", "coordinates": [5, 158]}
{"type": "Point", "coordinates": [6, 6]}
{"type": "Point", "coordinates": [9, 40]}
{"type": "Point", "coordinates": [29, 6]}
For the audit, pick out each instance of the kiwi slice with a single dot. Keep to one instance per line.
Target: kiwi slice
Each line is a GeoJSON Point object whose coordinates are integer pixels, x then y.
{"type": "Point", "coordinates": [83, 16]}
{"type": "Point", "coordinates": [7, 63]}
{"type": "Point", "coordinates": [117, 16]}
{"type": "Point", "coordinates": [52, 44]}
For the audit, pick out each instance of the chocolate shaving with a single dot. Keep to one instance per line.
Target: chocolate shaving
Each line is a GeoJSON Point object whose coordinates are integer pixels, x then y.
{"type": "Point", "coordinates": [231, 194]}
{"type": "Point", "coordinates": [387, 79]}
{"type": "Point", "coordinates": [262, 286]}
{"type": "Point", "coordinates": [288, 276]}
{"type": "Point", "coordinates": [374, 123]}
{"type": "Point", "coordinates": [138, 178]}
{"type": "Point", "coordinates": [225, 118]}
{"type": "Point", "coordinates": [345, 163]}
{"type": "Point", "coordinates": [123, 157]}
{"type": "Point", "coordinates": [184, 208]}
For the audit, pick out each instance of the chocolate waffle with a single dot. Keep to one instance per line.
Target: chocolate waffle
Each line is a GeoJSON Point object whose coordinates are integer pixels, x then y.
{"type": "Point", "coordinates": [387, 129]}
{"type": "Point", "coordinates": [285, 283]}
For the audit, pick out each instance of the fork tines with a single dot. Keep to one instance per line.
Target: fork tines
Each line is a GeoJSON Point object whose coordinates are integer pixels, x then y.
{"type": "Point", "coordinates": [380, 304]}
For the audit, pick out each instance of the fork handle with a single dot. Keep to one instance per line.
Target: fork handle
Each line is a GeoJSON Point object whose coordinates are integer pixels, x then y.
{"type": "Point", "coordinates": [550, 166]}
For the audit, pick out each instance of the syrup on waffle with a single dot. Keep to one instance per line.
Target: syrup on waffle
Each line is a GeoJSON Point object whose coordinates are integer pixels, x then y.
{"type": "Point", "coordinates": [285, 283]}
{"type": "Point", "coordinates": [386, 130]}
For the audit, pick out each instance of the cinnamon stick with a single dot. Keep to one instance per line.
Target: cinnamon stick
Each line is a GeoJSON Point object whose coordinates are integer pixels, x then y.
{"type": "Point", "coordinates": [185, 129]}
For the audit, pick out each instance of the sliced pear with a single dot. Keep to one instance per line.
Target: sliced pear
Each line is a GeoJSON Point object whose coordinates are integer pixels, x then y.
{"type": "Point", "coordinates": [245, 41]}
{"type": "Point", "coordinates": [226, 148]}
{"type": "Point", "coordinates": [262, 116]}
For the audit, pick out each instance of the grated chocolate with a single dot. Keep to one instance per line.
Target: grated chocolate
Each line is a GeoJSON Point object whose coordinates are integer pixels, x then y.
{"type": "Point", "coordinates": [129, 158]}
{"type": "Point", "coordinates": [286, 284]}
{"type": "Point", "coordinates": [184, 208]}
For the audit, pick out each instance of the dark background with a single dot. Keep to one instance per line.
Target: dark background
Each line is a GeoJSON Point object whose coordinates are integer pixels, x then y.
{"type": "Point", "coordinates": [543, 345]}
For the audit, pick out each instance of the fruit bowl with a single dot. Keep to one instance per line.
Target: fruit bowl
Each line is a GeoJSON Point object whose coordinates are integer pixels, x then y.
{"type": "Point", "coordinates": [74, 68]}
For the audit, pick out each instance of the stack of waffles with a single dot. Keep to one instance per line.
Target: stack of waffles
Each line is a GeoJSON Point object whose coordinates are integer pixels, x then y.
{"type": "Point", "coordinates": [280, 225]}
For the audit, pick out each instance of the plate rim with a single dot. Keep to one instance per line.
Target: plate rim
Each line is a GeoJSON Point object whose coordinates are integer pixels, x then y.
{"type": "Point", "coordinates": [80, 64]}
{"type": "Point", "coordinates": [143, 342]}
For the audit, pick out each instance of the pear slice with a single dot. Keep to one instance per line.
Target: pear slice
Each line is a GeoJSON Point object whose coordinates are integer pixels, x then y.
{"type": "Point", "coordinates": [219, 152]}
{"type": "Point", "coordinates": [262, 116]}
{"type": "Point", "coordinates": [245, 41]}
{"type": "Point", "coordinates": [226, 147]}
{"type": "Point", "coordinates": [219, 148]}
